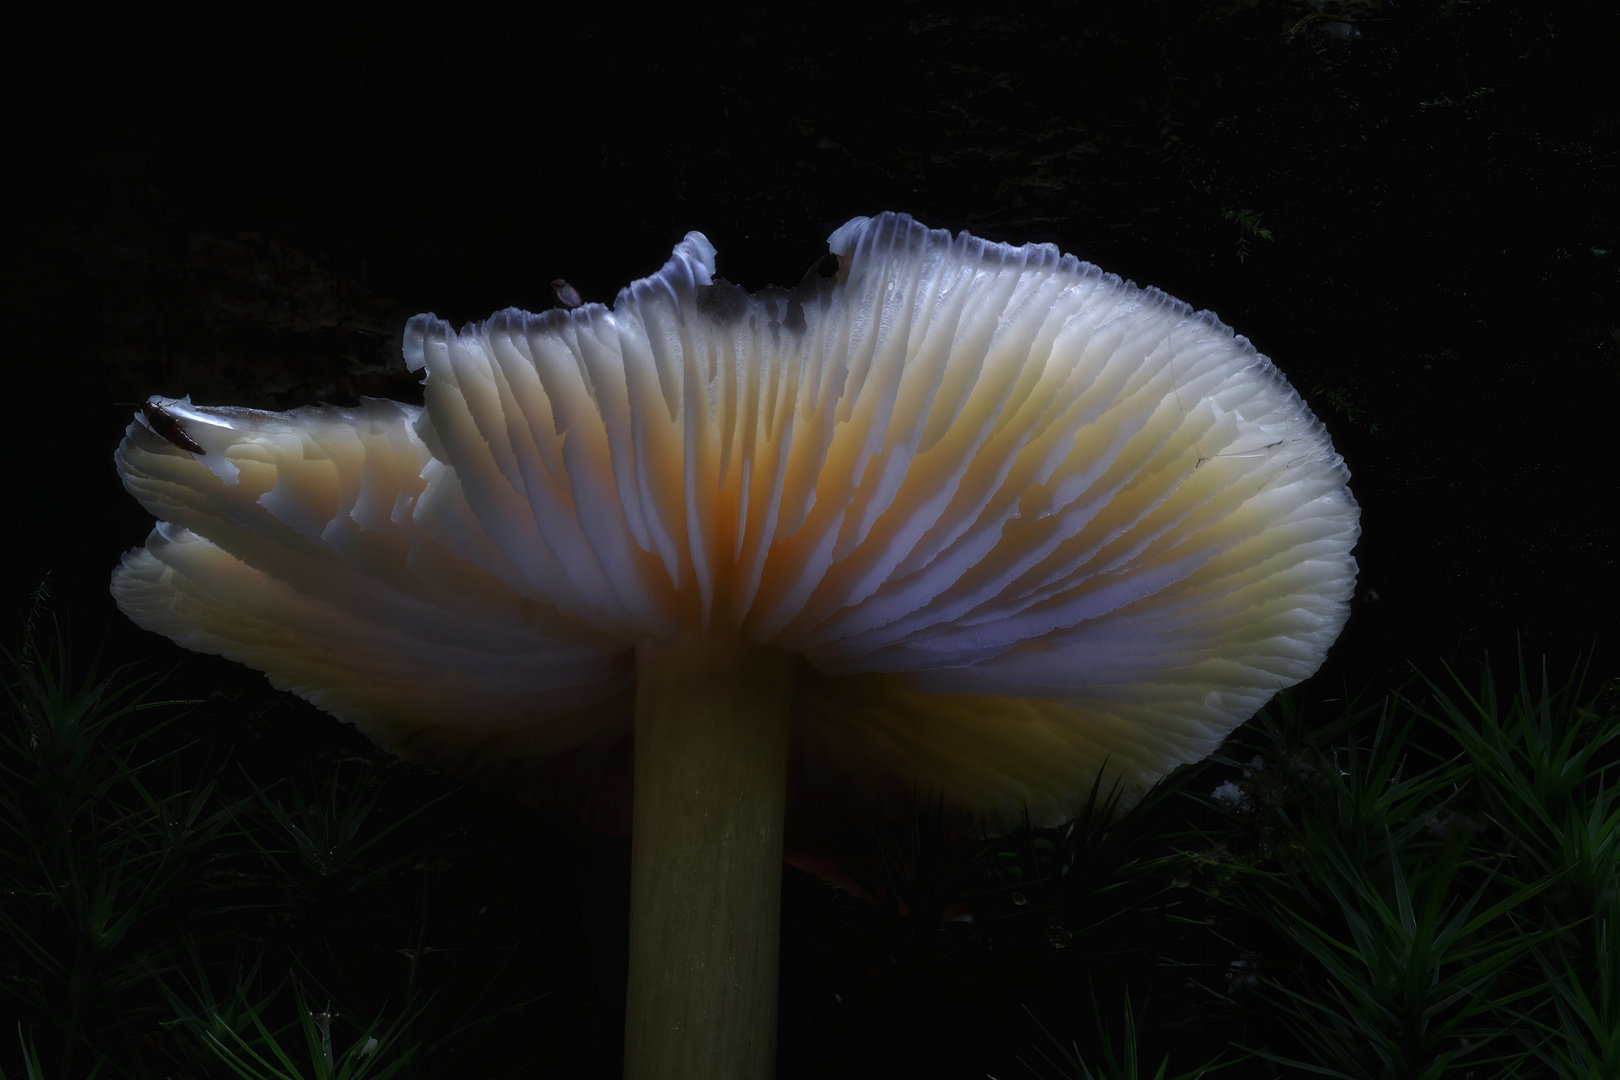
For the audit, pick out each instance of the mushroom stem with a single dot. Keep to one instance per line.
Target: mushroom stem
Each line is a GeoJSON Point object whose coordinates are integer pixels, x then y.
{"type": "Point", "coordinates": [711, 750]}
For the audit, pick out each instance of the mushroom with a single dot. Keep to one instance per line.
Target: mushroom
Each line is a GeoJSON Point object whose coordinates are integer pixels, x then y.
{"type": "Point", "coordinates": [960, 516]}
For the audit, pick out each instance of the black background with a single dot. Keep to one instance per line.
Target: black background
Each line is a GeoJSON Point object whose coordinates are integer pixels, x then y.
{"type": "Point", "coordinates": [246, 208]}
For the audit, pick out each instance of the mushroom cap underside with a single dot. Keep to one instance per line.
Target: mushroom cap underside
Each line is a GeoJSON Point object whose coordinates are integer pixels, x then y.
{"type": "Point", "coordinates": [1018, 517]}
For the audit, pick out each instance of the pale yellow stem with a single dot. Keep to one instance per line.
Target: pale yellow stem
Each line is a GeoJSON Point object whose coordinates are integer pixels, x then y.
{"type": "Point", "coordinates": [706, 860]}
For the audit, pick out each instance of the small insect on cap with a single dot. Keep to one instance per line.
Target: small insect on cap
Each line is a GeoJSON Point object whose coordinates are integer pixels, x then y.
{"type": "Point", "coordinates": [153, 412]}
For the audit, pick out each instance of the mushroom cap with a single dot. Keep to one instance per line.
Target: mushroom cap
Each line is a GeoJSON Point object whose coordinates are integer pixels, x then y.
{"type": "Point", "coordinates": [1018, 517]}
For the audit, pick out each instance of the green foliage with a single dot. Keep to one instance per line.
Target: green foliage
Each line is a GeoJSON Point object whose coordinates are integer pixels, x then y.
{"type": "Point", "coordinates": [1445, 101]}
{"type": "Point", "coordinates": [33, 1069]}
{"type": "Point", "coordinates": [1344, 401]}
{"type": "Point", "coordinates": [378, 1051]}
{"type": "Point", "coordinates": [1585, 1041]}
{"type": "Point", "coordinates": [1544, 768]}
{"type": "Point", "coordinates": [1440, 911]}
{"type": "Point", "coordinates": [1250, 228]}
{"type": "Point", "coordinates": [1087, 873]}
{"type": "Point", "coordinates": [126, 887]}
{"type": "Point", "coordinates": [90, 850]}
{"type": "Point", "coordinates": [1419, 884]}
{"type": "Point", "coordinates": [913, 876]}
{"type": "Point", "coordinates": [326, 837]}
{"type": "Point", "coordinates": [1120, 1060]}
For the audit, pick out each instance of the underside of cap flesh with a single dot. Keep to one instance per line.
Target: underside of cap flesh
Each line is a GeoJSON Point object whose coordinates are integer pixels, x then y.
{"type": "Point", "coordinates": [1018, 516]}
{"type": "Point", "coordinates": [291, 545]}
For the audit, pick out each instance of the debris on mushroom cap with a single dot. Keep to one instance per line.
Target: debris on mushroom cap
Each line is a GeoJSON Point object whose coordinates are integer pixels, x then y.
{"type": "Point", "coordinates": [566, 294]}
{"type": "Point", "coordinates": [1018, 517]}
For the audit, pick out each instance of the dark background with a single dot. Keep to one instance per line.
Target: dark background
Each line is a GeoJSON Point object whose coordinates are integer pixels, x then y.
{"type": "Point", "coordinates": [1409, 206]}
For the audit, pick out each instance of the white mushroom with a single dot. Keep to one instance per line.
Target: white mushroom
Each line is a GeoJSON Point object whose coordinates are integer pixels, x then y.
{"type": "Point", "coordinates": [963, 517]}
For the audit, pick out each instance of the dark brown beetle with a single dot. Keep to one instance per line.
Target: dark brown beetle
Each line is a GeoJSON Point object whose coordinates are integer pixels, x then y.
{"type": "Point", "coordinates": [167, 425]}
